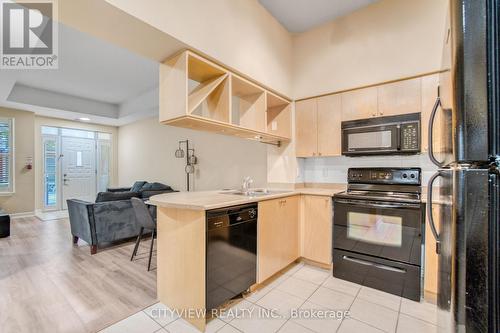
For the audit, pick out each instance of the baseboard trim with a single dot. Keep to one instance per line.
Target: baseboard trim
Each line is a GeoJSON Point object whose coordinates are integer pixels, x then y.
{"type": "Point", "coordinates": [22, 215]}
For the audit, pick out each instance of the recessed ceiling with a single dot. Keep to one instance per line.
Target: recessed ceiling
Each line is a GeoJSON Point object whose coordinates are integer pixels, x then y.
{"type": "Point", "coordinates": [95, 79]}
{"type": "Point", "coordinates": [302, 15]}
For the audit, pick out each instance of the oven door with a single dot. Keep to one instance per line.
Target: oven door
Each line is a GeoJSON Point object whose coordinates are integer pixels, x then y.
{"type": "Point", "coordinates": [368, 140]}
{"type": "Point", "coordinates": [380, 229]}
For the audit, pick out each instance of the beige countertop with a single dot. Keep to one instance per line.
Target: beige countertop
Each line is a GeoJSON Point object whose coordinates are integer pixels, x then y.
{"type": "Point", "coordinates": [205, 200]}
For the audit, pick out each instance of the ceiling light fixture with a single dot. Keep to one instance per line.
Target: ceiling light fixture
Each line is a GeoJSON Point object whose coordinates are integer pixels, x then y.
{"type": "Point", "coordinates": [83, 119]}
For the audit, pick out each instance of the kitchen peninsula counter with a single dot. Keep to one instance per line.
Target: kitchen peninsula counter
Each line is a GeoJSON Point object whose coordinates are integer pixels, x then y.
{"type": "Point", "coordinates": [206, 200]}
{"type": "Point", "coordinates": [181, 245]}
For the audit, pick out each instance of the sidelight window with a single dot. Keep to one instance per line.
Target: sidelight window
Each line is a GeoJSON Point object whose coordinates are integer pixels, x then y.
{"type": "Point", "coordinates": [6, 156]}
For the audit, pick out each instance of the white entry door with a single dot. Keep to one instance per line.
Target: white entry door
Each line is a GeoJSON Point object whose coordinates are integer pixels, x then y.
{"type": "Point", "coordinates": [78, 169]}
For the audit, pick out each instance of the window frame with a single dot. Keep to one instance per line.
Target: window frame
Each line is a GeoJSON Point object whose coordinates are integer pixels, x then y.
{"type": "Point", "coordinates": [11, 189]}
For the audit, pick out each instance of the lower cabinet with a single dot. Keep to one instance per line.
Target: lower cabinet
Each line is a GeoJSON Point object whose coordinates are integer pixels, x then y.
{"type": "Point", "coordinates": [316, 228]}
{"type": "Point", "coordinates": [277, 235]}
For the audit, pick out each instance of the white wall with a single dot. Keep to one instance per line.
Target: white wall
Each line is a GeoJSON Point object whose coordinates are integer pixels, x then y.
{"type": "Point", "coordinates": [388, 40]}
{"type": "Point", "coordinates": [334, 169]}
{"type": "Point", "coordinates": [239, 33]}
{"type": "Point", "coordinates": [146, 152]}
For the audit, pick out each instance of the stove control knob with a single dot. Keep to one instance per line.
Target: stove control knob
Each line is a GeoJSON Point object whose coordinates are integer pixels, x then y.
{"type": "Point", "coordinates": [412, 175]}
{"type": "Point", "coordinates": [405, 175]}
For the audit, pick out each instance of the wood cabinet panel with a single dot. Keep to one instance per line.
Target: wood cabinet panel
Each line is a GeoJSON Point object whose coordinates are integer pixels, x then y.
{"type": "Point", "coordinates": [359, 104]}
{"type": "Point", "coordinates": [430, 85]}
{"type": "Point", "coordinates": [306, 128]}
{"type": "Point", "coordinates": [329, 124]}
{"type": "Point", "coordinates": [431, 258]}
{"type": "Point", "coordinates": [316, 228]}
{"type": "Point", "coordinates": [399, 97]}
{"type": "Point", "coordinates": [278, 235]}
{"type": "Point", "coordinates": [290, 249]}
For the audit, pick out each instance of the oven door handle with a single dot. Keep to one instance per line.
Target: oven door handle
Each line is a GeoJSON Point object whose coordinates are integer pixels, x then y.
{"type": "Point", "coordinates": [373, 264]}
{"type": "Point", "coordinates": [432, 225]}
{"type": "Point", "coordinates": [400, 205]}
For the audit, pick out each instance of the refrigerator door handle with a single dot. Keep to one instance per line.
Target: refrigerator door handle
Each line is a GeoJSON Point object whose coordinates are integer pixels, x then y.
{"type": "Point", "coordinates": [430, 218]}
{"type": "Point", "coordinates": [433, 159]}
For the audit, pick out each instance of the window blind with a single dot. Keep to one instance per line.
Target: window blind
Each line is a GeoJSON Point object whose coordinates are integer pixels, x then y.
{"type": "Point", "coordinates": [5, 155]}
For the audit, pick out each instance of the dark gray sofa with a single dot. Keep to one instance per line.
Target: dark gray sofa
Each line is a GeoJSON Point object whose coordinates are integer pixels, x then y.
{"type": "Point", "coordinates": [111, 217]}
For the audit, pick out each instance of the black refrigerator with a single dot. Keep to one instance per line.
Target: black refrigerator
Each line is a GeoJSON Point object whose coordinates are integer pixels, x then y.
{"type": "Point", "coordinates": [464, 141]}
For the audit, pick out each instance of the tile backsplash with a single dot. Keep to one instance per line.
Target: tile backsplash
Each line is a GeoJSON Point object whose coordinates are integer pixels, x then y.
{"type": "Point", "coordinates": [334, 169]}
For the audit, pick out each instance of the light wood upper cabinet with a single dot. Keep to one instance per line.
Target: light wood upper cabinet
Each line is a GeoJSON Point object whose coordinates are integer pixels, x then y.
{"type": "Point", "coordinates": [306, 128]}
{"type": "Point", "coordinates": [317, 123]}
{"type": "Point", "coordinates": [399, 97]}
{"type": "Point", "coordinates": [329, 121]}
{"type": "Point", "coordinates": [318, 120]}
{"type": "Point", "coordinates": [359, 104]}
{"type": "Point", "coordinates": [277, 235]}
{"type": "Point", "coordinates": [316, 228]}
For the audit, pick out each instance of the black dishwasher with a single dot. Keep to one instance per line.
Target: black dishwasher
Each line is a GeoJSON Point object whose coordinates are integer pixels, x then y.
{"type": "Point", "coordinates": [231, 252]}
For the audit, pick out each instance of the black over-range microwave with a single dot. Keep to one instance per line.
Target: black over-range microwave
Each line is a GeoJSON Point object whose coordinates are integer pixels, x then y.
{"type": "Point", "coordinates": [382, 136]}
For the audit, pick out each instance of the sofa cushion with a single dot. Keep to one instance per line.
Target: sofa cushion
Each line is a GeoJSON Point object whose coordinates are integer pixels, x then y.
{"type": "Point", "coordinates": [115, 196]}
{"type": "Point", "coordinates": [155, 187]}
{"type": "Point", "coordinates": [147, 194]}
{"type": "Point", "coordinates": [137, 186]}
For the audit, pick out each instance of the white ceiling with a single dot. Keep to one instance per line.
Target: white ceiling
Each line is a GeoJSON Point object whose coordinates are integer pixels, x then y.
{"type": "Point", "coordinates": [302, 15]}
{"type": "Point", "coordinates": [95, 79]}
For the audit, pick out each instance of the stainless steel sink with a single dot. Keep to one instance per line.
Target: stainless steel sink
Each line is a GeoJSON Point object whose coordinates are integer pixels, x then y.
{"type": "Point", "coordinates": [257, 192]}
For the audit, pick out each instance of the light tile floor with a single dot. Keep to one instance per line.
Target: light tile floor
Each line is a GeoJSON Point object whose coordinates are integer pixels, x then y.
{"type": "Point", "coordinates": [302, 287]}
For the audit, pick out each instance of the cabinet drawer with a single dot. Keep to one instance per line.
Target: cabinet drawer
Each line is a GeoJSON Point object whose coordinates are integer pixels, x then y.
{"type": "Point", "coordinates": [390, 276]}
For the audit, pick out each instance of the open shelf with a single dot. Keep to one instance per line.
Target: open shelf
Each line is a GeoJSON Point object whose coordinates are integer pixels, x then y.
{"type": "Point", "coordinates": [278, 116]}
{"type": "Point", "coordinates": [248, 104]}
{"type": "Point", "coordinates": [200, 94]}
{"type": "Point", "coordinates": [202, 70]}
{"type": "Point", "coordinates": [208, 89]}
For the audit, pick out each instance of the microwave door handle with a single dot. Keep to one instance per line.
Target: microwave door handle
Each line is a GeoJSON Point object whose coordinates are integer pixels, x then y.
{"type": "Point", "coordinates": [432, 225]}
{"type": "Point", "coordinates": [430, 137]}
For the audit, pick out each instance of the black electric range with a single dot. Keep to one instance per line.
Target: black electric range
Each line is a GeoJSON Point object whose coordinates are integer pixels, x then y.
{"type": "Point", "coordinates": [378, 229]}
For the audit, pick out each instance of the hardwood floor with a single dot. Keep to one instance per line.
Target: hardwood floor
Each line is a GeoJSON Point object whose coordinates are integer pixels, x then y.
{"type": "Point", "coordinates": [47, 284]}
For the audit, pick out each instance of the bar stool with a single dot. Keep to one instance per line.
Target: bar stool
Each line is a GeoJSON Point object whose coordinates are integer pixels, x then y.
{"type": "Point", "coordinates": [146, 221]}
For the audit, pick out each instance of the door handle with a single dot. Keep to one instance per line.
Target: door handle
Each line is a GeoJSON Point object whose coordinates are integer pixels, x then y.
{"type": "Point", "coordinates": [432, 225]}
{"type": "Point", "coordinates": [430, 136]}
{"type": "Point", "coordinates": [370, 204]}
{"type": "Point", "coordinates": [377, 265]}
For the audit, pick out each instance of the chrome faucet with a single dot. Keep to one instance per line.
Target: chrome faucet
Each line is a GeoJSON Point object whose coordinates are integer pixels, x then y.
{"type": "Point", "coordinates": [247, 181]}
